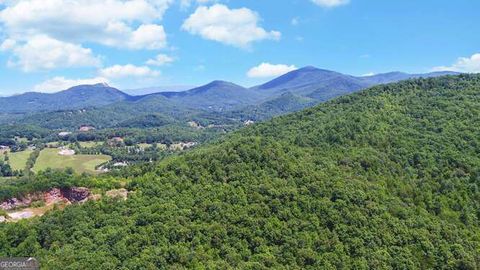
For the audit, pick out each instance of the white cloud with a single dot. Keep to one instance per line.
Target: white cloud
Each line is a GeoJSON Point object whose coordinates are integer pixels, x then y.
{"type": "Point", "coordinates": [42, 52]}
{"type": "Point", "coordinates": [148, 36]}
{"type": "Point", "coordinates": [120, 23]}
{"type": "Point", "coordinates": [463, 64]}
{"type": "Point", "coordinates": [330, 3]}
{"type": "Point", "coordinates": [120, 35]}
{"type": "Point", "coordinates": [119, 71]}
{"type": "Point", "coordinates": [61, 83]}
{"type": "Point", "coordinates": [267, 70]}
{"type": "Point", "coordinates": [236, 27]}
{"type": "Point", "coordinates": [160, 60]}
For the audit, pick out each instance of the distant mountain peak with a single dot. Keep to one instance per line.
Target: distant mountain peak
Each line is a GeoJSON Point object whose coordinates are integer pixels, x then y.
{"type": "Point", "coordinates": [102, 84]}
{"type": "Point", "coordinates": [77, 97]}
{"type": "Point", "coordinates": [91, 86]}
{"type": "Point", "coordinates": [312, 69]}
{"type": "Point", "coordinates": [303, 76]}
{"type": "Point", "coordinates": [217, 83]}
{"type": "Point", "coordinates": [308, 68]}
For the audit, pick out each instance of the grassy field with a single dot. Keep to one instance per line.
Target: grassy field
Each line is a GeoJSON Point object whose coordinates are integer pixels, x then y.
{"type": "Point", "coordinates": [89, 144]}
{"type": "Point", "coordinates": [49, 158]}
{"type": "Point", "coordinates": [18, 160]}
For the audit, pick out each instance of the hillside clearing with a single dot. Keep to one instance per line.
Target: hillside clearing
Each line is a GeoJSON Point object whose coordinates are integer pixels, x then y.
{"type": "Point", "coordinates": [90, 144]}
{"type": "Point", "coordinates": [49, 158]}
{"type": "Point", "coordinates": [18, 160]}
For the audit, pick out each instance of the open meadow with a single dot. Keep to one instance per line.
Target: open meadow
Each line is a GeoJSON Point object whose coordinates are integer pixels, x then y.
{"type": "Point", "coordinates": [49, 158]}
{"type": "Point", "coordinates": [90, 144]}
{"type": "Point", "coordinates": [18, 160]}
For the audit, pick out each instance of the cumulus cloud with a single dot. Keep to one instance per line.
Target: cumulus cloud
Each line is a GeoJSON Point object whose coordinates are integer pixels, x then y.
{"type": "Point", "coordinates": [61, 83]}
{"type": "Point", "coordinates": [463, 64]}
{"type": "Point", "coordinates": [330, 3]}
{"type": "Point", "coordinates": [160, 60]}
{"type": "Point", "coordinates": [117, 23]}
{"type": "Point", "coordinates": [148, 36]}
{"type": "Point", "coordinates": [267, 70]}
{"type": "Point", "coordinates": [119, 71]}
{"type": "Point", "coordinates": [42, 52]}
{"type": "Point", "coordinates": [236, 27]}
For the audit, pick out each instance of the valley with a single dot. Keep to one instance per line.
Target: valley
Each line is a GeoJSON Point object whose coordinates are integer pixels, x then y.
{"type": "Point", "coordinates": [94, 115]}
{"type": "Point", "coordinates": [122, 135]}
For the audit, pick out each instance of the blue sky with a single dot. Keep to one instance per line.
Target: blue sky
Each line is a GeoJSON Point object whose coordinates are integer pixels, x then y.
{"type": "Point", "coordinates": [47, 45]}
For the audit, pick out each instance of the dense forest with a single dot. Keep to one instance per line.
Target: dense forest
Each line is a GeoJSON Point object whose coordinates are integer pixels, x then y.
{"type": "Point", "coordinates": [387, 178]}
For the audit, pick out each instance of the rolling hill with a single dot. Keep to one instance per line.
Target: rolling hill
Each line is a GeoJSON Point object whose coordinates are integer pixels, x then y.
{"type": "Point", "coordinates": [78, 97]}
{"type": "Point", "coordinates": [308, 86]}
{"type": "Point", "coordinates": [285, 103]}
{"type": "Point", "coordinates": [306, 80]}
{"type": "Point", "coordinates": [322, 85]}
{"type": "Point", "coordinates": [216, 96]}
{"type": "Point", "coordinates": [387, 178]}
{"type": "Point", "coordinates": [107, 116]}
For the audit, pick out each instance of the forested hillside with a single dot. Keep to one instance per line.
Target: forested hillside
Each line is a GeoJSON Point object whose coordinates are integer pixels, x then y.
{"type": "Point", "coordinates": [387, 178]}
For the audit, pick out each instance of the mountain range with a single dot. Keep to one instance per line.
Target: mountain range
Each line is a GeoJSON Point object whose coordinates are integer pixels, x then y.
{"type": "Point", "coordinates": [290, 92]}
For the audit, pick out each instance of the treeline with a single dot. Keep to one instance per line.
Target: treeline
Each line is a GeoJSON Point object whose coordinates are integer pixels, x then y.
{"type": "Point", "coordinates": [135, 124]}
{"type": "Point", "coordinates": [32, 159]}
{"type": "Point", "coordinates": [16, 137]}
{"type": "Point", "coordinates": [165, 135]}
{"type": "Point", "coordinates": [125, 153]}
{"type": "Point", "coordinates": [30, 132]}
{"type": "Point", "coordinates": [149, 113]}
